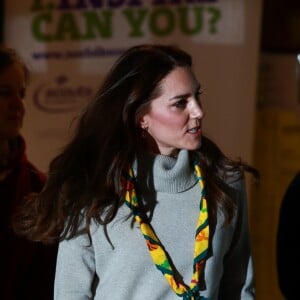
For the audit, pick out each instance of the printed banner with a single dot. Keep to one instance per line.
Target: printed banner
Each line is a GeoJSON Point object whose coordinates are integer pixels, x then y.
{"type": "Point", "coordinates": [68, 31]}
{"type": "Point", "coordinates": [70, 45]}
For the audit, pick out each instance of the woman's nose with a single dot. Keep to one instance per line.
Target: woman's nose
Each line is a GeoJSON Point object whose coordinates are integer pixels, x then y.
{"type": "Point", "coordinates": [197, 110]}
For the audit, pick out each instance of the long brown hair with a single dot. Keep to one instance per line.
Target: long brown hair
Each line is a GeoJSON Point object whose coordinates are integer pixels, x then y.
{"type": "Point", "coordinates": [84, 180]}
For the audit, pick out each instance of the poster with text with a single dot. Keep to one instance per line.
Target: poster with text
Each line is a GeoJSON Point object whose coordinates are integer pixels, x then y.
{"type": "Point", "coordinates": [69, 46]}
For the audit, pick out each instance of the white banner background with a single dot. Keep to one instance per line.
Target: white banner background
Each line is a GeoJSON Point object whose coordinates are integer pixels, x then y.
{"type": "Point", "coordinates": [69, 46]}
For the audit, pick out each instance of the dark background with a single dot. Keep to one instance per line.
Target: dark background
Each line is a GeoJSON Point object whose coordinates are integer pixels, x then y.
{"type": "Point", "coordinates": [280, 29]}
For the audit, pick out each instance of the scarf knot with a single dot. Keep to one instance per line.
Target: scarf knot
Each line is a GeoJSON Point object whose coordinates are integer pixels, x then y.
{"type": "Point", "coordinates": [193, 294]}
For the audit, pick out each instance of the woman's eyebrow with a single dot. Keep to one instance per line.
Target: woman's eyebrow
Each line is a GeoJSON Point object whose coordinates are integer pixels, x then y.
{"type": "Point", "coordinates": [180, 96]}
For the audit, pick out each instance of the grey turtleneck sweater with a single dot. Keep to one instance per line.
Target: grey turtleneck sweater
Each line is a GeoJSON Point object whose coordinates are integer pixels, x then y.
{"type": "Point", "coordinates": [171, 195]}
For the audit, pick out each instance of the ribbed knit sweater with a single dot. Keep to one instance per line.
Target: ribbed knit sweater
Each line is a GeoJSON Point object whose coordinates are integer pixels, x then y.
{"type": "Point", "coordinates": [126, 272]}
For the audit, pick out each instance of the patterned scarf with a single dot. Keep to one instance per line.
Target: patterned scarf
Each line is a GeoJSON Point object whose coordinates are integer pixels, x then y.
{"type": "Point", "coordinates": [156, 249]}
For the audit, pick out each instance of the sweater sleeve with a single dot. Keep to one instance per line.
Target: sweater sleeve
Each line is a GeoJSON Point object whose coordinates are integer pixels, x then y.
{"type": "Point", "coordinates": [238, 277]}
{"type": "Point", "coordinates": [75, 269]}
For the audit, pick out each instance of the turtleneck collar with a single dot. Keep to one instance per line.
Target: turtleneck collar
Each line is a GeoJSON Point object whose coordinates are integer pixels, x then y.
{"type": "Point", "coordinates": [162, 173]}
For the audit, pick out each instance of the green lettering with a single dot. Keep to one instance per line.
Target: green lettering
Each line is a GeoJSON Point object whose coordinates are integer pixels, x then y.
{"type": "Point", "coordinates": [184, 20]}
{"type": "Point", "coordinates": [135, 21]}
{"type": "Point", "coordinates": [37, 25]}
{"type": "Point", "coordinates": [162, 21]}
{"type": "Point", "coordinates": [93, 23]}
{"type": "Point", "coordinates": [67, 27]}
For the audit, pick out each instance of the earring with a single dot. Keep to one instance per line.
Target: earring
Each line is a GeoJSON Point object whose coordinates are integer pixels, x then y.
{"type": "Point", "coordinates": [144, 131]}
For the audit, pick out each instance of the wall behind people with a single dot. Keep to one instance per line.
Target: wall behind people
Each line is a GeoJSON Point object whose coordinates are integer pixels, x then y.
{"type": "Point", "coordinates": [70, 46]}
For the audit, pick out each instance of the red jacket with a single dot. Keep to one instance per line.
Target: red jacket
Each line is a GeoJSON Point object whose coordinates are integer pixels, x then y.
{"type": "Point", "coordinates": [27, 268]}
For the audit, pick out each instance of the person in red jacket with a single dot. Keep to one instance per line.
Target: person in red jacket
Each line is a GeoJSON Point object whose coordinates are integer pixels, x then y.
{"type": "Point", "coordinates": [27, 268]}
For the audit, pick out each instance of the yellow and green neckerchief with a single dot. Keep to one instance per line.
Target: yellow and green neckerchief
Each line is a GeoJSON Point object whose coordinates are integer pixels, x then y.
{"type": "Point", "coordinates": [156, 249]}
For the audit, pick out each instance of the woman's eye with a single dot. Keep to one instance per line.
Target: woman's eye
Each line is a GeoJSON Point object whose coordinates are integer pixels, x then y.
{"type": "Point", "coordinates": [181, 103]}
{"type": "Point", "coordinates": [198, 94]}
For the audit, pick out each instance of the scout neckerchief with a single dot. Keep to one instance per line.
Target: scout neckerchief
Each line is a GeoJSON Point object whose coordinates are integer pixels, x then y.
{"type": "Point", "coordinates": [156, 249]}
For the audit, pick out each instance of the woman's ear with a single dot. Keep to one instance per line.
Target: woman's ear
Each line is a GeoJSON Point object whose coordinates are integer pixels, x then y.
{"type": "Point", "coordinates": [143, 122]}
{"type": "Point", "coordinates": [143, 126]}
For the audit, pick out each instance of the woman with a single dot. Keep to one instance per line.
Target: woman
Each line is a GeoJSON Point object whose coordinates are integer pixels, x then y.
{"type": "Point", "coordinates": [140, 191]}
{"type": "Point", "coordinates": [27, 268]}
